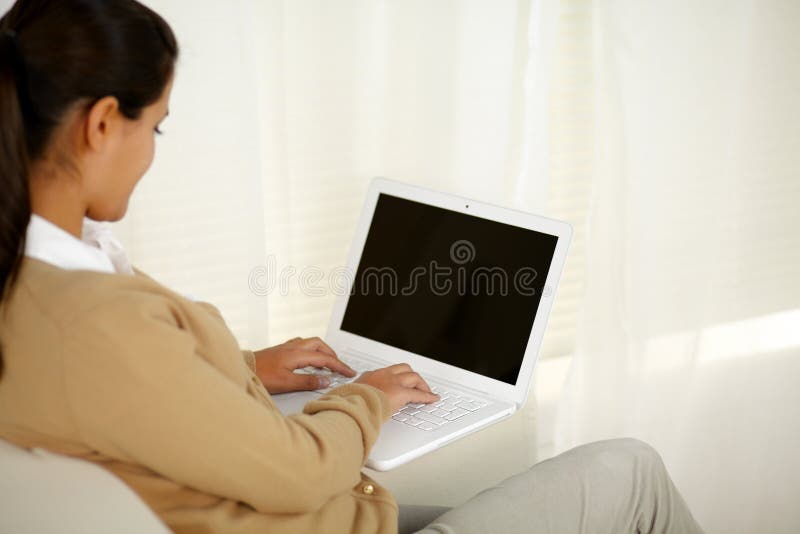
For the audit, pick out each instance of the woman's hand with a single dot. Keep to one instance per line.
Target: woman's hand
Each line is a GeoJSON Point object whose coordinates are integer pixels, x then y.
{"type": "Point", "coordinates": [400, 384]}
{"type": "Point", "coordinates": [275, 365]}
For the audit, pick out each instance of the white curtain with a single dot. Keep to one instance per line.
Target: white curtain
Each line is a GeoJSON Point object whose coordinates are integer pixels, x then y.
{"type": "Point", "coordinates": [689, 336]}
{"type": "Point", "coordinates": [281, 113]}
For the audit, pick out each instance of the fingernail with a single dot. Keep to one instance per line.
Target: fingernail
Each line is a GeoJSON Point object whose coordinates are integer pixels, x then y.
{"type": "Point", "coordinates": [323, 382]}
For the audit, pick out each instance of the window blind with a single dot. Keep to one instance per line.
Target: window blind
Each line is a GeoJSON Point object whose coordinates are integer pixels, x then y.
{"type": "Point", "coordinates": [571, 134]}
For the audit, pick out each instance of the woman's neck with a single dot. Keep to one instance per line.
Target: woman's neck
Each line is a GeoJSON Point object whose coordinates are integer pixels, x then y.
{"type": "Point", "coordinates": [59, 200]}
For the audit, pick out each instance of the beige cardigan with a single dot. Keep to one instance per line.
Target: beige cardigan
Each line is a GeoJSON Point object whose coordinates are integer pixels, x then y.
{"type": "Point", "coordinates": [121, 371]}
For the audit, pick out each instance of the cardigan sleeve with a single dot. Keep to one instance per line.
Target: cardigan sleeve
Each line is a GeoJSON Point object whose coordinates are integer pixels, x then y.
{"type": "Point", "coordinates": [248, 355]}
{"type": "Point", "coordinates": [249, 359]}
{"type": "Point", "coordinates": [140, 392]}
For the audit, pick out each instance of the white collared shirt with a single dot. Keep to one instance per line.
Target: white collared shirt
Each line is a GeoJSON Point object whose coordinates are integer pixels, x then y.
{"type": "Point", "coordinates": [99, 250]}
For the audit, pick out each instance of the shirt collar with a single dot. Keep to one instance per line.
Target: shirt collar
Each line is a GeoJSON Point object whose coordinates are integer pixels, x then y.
{"type": "Point", "coordinates": [51, 244]}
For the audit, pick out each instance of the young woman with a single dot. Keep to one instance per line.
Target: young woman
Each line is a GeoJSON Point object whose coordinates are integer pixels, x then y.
{"type": "Point", "coordinates": [103, 363]}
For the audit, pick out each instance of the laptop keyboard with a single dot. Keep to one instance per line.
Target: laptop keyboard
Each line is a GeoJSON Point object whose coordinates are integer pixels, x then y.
{"type": "Point", "coordinates": [452, 404]}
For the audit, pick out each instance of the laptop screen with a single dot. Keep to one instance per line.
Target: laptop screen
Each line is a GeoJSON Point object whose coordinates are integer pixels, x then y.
{"type": "Point", "coordinates": [453, 287]}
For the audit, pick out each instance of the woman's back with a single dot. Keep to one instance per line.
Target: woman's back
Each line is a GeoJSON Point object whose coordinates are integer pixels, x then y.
{"type": "Point", "coordinates": [122, 371]}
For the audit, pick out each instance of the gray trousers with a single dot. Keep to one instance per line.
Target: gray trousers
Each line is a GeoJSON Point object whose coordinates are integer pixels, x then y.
{"type": "Point", "coordinates": [615, 486]}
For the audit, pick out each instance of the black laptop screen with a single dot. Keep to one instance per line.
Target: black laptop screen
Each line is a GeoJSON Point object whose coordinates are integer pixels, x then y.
{"type": "Point", "coordinates": [456, 288]}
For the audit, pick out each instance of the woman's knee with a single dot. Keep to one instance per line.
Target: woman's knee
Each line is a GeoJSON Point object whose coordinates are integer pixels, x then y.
{"type": "Point", "coordinates": [638, 448]}
{"type": "Point", "coordinates": [634, 453]}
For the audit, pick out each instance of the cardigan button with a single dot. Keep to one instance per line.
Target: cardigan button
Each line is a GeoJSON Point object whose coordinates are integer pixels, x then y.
{"type": "Point", "coordinates": [369, 489]}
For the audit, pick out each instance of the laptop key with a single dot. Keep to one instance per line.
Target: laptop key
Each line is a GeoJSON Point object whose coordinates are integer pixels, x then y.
{"type": "Point", "coordinates": [431, 418]}
{"type": "Point", "coordinates": [401, 417]}
{"type": "Point", "coordinates": [426, 426]}
{"type": "Point", "coordinates": [468, 406]}
{"type": "Point", "coordinates": [455, 414]}
{"type": "Point", "coordinates": [413, 421]}
{"type": "Point", "coordinates": [409, 410]}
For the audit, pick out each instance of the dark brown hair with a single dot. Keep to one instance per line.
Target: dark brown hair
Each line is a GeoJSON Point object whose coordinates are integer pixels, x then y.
{"type": "Point", "coordinates": [53, 54]}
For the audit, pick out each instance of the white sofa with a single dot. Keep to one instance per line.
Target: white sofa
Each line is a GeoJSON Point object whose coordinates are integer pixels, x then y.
{"type": "Point", "coordinates": [42, 493]}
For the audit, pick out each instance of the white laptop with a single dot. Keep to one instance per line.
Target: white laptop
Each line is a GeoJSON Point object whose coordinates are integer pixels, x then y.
{"type": "Point", "coordinates": [460, 290]}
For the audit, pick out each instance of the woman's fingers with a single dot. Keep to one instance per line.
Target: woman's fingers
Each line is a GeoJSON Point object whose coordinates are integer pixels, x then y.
{"type": "Point", "coordinates": [315, 352]}
{"type": "Point", "coordinates": [398, 368]}
{"type": "Point", "coordinates": [306, 382]}
{"type": "Point", "coordinates": [302, 358]}
{"type": "Point", "coordinates": [315, 344]}
{"type": "Point", "coordinates": [400, 384]}
{"type": "Point", "coordinates": [413, 380]}
{"type": "Point", "coordinates": [417, 395]}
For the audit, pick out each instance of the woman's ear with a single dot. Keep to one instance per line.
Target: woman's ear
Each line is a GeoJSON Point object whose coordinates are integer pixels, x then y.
{"type": "Point", "coordinates": [102, 122]}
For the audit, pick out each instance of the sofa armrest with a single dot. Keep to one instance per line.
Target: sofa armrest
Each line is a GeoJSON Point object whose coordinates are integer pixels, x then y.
{"type": "Point", "coordinates": [43, 492]}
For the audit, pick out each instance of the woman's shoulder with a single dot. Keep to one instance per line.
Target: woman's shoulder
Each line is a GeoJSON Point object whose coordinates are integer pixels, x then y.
{"type": "Point", "coordinates": [64, 295]}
